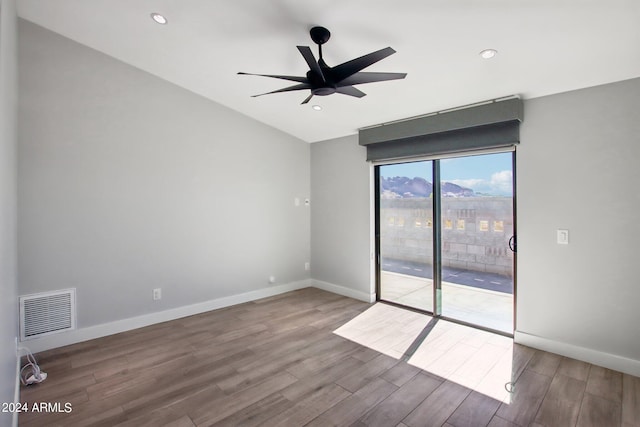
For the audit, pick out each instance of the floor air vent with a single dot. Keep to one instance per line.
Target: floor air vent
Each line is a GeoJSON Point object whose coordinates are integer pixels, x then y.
{"type": "Point", "coordinates": [47, 313]}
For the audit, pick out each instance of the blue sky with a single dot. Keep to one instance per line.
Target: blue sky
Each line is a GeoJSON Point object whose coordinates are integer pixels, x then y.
{"type": "Point", "coordinates": [487, 173]}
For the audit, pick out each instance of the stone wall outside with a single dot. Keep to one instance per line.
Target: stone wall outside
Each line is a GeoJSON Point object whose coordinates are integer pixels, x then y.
{"type": "Point", "coordinates": [475, 232]}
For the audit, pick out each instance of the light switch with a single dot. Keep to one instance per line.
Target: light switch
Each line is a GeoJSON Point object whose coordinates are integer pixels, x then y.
{"type": "Point", "coordinates": [563, 237]}
{"type": "Point", "coordinates": [296, 201]}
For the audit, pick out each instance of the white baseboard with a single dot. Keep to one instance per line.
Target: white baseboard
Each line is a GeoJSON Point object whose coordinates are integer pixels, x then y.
{"type": "Point", "coordinates": [341, 290]}
{"type": "Point", "coordinates": [607, 360]}
{"type": "Point", "coordinates": [84, 334]}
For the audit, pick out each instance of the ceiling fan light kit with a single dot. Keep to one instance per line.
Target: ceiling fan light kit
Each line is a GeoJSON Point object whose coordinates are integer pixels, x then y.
{"type": "Point", "coordinates": [323, 80]}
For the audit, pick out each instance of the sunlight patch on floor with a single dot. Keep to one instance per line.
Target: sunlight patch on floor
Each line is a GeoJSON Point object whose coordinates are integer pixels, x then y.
{"type": "Point", "coordinates": [386, 329]}
{"type": "Point", "coordinates": [475, 359]}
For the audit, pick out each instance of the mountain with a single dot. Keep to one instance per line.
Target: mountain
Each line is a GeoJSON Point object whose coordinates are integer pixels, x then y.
{"type": "Point", "coordinates": [399, 187]}
{"type": "Point", "coordinates": [449, 189]}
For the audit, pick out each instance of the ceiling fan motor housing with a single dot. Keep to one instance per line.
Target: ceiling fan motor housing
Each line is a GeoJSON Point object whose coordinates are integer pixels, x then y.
{"type": "Point", "coordinates": [324, 90]}
{"type": "Point", "coordinates": [318, 85]}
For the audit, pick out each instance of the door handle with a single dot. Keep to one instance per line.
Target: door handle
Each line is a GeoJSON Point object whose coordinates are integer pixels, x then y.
{"type": "Point", "coordinates": [513, 244]}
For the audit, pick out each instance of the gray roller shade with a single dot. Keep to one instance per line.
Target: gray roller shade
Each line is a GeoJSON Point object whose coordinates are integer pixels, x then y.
{"type": "Point", "coordinates": [491, 125]}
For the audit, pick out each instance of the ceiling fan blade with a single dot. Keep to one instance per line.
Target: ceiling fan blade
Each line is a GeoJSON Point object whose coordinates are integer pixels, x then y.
{"type": "Point", "coordinates": [311, 61]}
{"type": "Point", "coordinates": [349, 68]}
{"type": "Point", "coordinates": [300, 86]}
{"type": "Point", "coordinates": [351, 91]}
{"type": "Point", "coordinates": [275, 76]}
{"type": "Point", "coordinates": [307, 99]}
{"type": "Point", "coordinates": [363, 77]}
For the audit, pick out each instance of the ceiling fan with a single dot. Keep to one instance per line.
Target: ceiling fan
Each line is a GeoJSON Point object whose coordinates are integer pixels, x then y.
{"type": "Point", "coordinates": [324, 80]}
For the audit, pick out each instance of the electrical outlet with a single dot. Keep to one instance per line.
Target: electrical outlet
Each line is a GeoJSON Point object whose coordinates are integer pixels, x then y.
{"type": "Point", "coordinates": [272, 279]}
{"type": "Point", "coordinates": [157, 294]}
{"type": "Point", "coordinates": [307, 266]}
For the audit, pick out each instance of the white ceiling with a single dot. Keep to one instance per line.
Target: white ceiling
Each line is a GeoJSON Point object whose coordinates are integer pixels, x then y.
{"type": "Point", "coordinates": [545, 47]}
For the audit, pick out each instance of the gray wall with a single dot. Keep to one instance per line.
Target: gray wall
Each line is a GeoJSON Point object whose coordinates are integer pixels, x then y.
{"type": "Point", "coordinates": [128, 183]}
{"type": "Point", "coordinates": [340, 223]}
{"type": "Point", "coordinates": [577, 168]}
{"type": "Point", "coordinates": [8, 138]}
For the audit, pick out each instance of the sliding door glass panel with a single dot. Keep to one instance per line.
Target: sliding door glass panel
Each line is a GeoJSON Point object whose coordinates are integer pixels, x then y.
{"type": "Point", "coordinates": [477, 223]}
{"type": "Point", "coordinates": [406, 234]}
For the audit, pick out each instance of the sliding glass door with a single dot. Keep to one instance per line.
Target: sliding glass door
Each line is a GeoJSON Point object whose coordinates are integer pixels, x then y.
{"type": "Point", "coordinates": [406, 234]}
{"type": "Point", "coordinates": [477, 224]}
{"type": "Point", "coordinates": [443, 230]}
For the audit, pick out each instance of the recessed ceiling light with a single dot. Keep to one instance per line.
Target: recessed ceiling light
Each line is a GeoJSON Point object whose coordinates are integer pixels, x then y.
{"type": "Point", "coordinates": [317, 107]}
{"type": "Point", "coordinates": [159, 18]}
{"type": "Point", "coordinates": [488, 53]}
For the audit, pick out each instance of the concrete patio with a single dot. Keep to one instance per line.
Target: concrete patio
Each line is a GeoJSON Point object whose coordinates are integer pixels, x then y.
{"type": "Point", "coordinates": [482, 307]}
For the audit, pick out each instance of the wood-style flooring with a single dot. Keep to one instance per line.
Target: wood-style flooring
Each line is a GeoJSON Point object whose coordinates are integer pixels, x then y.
{"type": "Point", "coordinates": [277, 361]}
